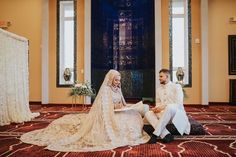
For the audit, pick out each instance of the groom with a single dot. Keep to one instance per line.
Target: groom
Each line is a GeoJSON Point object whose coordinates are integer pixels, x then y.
{"type": "Point", "coordinates": [169, 109]}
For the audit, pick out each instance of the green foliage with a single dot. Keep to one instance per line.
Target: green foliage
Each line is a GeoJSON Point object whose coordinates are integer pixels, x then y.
{"type": "Point", "coordinates": [82, 89]}
{"type": "Point", "coordinates": [148, 100]}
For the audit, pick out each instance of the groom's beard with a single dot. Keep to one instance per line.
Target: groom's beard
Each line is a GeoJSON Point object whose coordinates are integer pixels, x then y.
{"type": "Point", "coordinates": [164, 82]}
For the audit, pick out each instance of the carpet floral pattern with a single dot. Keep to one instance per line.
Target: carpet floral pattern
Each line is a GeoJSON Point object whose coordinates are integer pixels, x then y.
{"type": "Point", "coordinates": [218, 121]}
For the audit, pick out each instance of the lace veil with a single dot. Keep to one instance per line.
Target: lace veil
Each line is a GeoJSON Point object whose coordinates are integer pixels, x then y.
{"type": "Point", "coordinates": [99, 130]}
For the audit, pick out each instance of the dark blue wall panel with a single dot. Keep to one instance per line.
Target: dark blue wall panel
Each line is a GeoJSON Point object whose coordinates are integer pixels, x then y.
{"type": "Point", "coordinates": [123, 39]}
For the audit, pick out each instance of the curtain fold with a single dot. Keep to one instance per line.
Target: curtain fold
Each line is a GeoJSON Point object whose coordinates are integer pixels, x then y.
{"type": "Point", "coordinates": [14, 79]}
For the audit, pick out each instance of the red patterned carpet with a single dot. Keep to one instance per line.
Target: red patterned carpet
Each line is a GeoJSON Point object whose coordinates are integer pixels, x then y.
{"type": "Point", "coordinates": [218, 121]}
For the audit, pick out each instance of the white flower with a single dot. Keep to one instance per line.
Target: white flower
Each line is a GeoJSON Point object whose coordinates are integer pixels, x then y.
{"type": "Point", "coordinates": [82, 89]}
{"type": "Point", "coordinates": [84, 86]}
{"type": "Point", "coordinates": [78, 85]}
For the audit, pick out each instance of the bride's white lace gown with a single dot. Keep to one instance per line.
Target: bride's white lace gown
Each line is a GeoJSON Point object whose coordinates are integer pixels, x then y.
{"type": "Point", "coordinates": [100, 129]}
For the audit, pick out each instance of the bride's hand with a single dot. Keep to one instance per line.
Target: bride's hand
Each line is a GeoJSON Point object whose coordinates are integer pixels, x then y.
{"type": "Point", "coordinates": [159, 108]}
{"type": "Point", "coordinates": [119, 106]}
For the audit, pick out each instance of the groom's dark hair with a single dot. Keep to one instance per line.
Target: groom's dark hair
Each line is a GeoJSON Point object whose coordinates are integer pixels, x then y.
{"type": "Point", "coordinates": [166, 71]}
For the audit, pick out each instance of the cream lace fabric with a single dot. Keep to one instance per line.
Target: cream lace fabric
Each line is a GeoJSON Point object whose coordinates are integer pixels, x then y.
{"type": "Point", "coordinates": [14, 79]}
{"type": "Point", "coordinates": [100, 129]}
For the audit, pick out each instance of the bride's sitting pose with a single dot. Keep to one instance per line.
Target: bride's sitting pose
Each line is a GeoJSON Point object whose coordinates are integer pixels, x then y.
{"type": "Point", "coordinates": [102, 128]}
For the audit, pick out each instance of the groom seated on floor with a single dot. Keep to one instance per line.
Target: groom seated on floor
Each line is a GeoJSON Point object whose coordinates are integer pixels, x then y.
{"type": "Point", "coordinates": [169, 109]}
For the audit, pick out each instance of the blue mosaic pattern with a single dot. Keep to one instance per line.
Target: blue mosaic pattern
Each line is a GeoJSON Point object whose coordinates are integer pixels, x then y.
{"type": "Point", "coordinates": [123, 39]}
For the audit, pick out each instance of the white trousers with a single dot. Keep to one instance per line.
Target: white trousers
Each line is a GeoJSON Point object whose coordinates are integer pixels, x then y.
{"type": "Point", "coordinates": [141, 108]}
{"type": "Point", "coordinates": [160, 120]}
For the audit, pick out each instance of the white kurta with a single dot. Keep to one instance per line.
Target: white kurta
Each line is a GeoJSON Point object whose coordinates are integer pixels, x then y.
{"type": "Point", "coordinates": [170, 95]}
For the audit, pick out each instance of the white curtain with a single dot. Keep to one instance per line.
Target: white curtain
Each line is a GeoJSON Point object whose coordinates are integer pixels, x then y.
{"type": "Point", "coordinates": [14, 79]}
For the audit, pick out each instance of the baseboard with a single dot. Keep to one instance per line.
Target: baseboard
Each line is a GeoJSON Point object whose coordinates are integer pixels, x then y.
{"type": "Point", "coordinates": [151, 104]}
{"type": "Point", "coordinates": [218, 103]}
{"type": "Point", "coordinates": [210, 104]}
{"type": "Point", "coordinates": [35, 103]}
{"type": "Point", "coordinates": [53, 104]}
{"type": "Point", "coordinates": [65, 105]}
{"type": "Point", "coordinates": [195, 105]}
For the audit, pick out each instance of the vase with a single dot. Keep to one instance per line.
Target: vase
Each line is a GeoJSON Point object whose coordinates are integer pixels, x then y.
{"type": "Point", "coordinates": [67, 74]}
{"type": "Point", "coordinates": [180, 75]}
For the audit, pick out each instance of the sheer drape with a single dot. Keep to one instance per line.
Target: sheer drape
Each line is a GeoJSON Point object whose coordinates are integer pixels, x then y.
{"type": "Point", "coordinates": [14, 83]}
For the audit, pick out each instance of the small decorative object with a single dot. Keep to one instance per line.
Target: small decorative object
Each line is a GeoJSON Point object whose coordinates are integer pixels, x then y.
{"type": "Point", "coordinates": [67, 74]}
{"type": "Point", "coordinates": [79, 90]}
{"type": "Point", "coordinates": [180, 78]}
{"type": "Point", "coordinates": [180, 75]}
{"type": "Point", "coordinates": [5, 24]}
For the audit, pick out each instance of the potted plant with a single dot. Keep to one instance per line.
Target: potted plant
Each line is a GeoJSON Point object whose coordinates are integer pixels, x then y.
{"type": "Point", "coordinates": [81, 89]}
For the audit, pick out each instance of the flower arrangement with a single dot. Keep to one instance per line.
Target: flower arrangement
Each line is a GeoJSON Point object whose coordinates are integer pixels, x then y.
{"type": "Point", "coordinates": [82, 89]}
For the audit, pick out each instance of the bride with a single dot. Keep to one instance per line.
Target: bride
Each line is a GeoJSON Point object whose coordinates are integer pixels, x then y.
{"type": "Point", "coordinates": [102, 128]}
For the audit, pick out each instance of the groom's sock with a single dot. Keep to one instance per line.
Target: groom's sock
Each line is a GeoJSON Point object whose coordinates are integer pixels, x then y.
{"type": "Point", "coordinates": [168, 138]}
{"type": "Point", "coordinates": [153, 139]}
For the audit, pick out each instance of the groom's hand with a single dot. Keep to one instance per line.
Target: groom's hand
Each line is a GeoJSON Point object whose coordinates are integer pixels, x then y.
{"type": "Point", "coordinates": [159, 108]}
{"type": "Point", "coordinates": [156, 110]}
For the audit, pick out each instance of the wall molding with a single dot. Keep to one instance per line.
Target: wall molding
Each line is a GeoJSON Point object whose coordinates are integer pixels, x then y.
{"type": "Point", "coordinates": [218, 103]}
{"type": "Point", "coordinates": [158, 42]}
{"type": "Point", "coordinates": [87, 45]}
{"type": "Point", "coordinates": [44, 49]}
{"type": "Point", "coordinates": [204, 49]}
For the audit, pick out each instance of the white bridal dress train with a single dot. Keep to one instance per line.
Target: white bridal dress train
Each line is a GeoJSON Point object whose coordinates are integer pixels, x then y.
{"type": "Point", "coordinates": [101, 129]}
